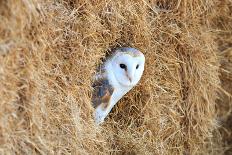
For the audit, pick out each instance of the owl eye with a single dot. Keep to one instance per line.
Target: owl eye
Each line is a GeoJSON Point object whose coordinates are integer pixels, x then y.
{"type": "Point", "coordinates": [123, 66]}
{"type": "Point", "coordinates": [137, 66]}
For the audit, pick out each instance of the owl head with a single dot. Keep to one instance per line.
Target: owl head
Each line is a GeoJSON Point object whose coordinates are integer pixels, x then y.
{"type": "Point", "coordinates": [127, 66]}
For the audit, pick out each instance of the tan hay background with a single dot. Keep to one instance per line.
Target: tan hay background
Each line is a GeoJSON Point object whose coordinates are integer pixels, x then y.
{"type": "Point", "coordinates": [222, 24]}
{"type": "Point", "coordinates": [49, 51]}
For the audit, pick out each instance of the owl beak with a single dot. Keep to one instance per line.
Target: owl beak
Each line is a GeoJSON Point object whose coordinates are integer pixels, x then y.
{"type": "Point", "coordinates": [128, 77]}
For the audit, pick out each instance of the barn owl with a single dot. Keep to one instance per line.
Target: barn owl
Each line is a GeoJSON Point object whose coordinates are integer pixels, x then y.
{"type": "Point", "coordinates": [118, 75]}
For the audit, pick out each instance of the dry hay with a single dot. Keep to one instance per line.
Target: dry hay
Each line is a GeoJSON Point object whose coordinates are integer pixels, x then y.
{"type": "Point", "coordinates": [222, 24]}
{"type": "Point", "coordinates": [49, 52]}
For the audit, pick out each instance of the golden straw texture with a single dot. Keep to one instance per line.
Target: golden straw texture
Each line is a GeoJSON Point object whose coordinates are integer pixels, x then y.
{"type": "Point", "coordinates": [49, 52]}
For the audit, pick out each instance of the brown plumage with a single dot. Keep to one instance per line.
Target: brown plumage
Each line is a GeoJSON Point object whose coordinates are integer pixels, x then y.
{"type": "Point", "coordinates": [102, 93]}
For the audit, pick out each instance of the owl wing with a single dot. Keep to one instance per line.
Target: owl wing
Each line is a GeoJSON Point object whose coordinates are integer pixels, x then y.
{"type": "Point", "coordinates": [102, 91]}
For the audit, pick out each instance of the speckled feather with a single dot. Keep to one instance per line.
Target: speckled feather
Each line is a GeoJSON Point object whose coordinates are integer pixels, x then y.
{"type": "Point", "coordinates": [102, 92]}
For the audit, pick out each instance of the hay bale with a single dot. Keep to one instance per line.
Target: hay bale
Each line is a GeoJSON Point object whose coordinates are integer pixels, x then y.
{"type": "Point", "coordinates": [221, 23]}
{"type": "Point", "coordinates": [51, 51]}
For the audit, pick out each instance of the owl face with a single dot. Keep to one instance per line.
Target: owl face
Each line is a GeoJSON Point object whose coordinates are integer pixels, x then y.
{"type": "Point", "coordinates": [128, 66]}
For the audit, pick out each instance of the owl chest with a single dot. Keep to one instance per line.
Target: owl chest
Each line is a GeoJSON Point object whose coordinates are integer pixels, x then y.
{"type": "Point", "coordinates": [117, 95]}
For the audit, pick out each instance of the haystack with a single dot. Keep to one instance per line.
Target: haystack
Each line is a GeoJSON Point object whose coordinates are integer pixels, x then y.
{"type": "Point", "coordinates": [221, 24]}
{"type": "Point", "coordinates": [49, 51]}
